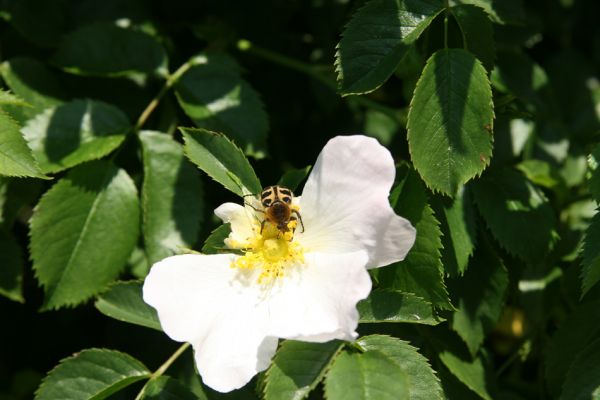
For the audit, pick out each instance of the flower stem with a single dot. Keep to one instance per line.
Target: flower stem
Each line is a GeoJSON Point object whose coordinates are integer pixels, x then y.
{"type": "Point", "coordinates": [171, 81]}
{"type": "Point", "coordinates": [161, 370]}
{"type": "Point", "coordinates": [316, 72]}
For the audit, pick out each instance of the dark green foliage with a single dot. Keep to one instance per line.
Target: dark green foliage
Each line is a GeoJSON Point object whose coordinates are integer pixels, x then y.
{"type": "Point", "coordinates": [125, 123]}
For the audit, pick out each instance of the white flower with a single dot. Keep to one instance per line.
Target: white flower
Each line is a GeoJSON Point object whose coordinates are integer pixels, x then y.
{"type": "Point", "coordinates": [299, 285]}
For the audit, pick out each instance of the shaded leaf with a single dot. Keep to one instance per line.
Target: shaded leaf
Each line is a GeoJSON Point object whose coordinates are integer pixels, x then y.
{"type": "Point", "coordinates": [501, 11]}
{"type": "Point", "coordinates": [590, 274]}
{"type": "Point", "coordinates": [292, 177]}
{"type": "Point", "coordinates": [450, 120]}
{"type": "Point", "coordinates": [124, 301]}
{"type": "Point", "coordinates": [167, 388]}
{"type": "Point", "coordinates": [366, 376]}
{"type": "Point", "coordinates": [477, 31]}
{"type": "Point", "coordinates": [423, 384]}
{"type": "Point", "coordinates": [221, 159]}
{"type": "Point", "coordinates": [11, 268]}
{"type": "Point", "coordinates": [517, 214]}
{"type": "Point", "coordinates": [91, 374]}
{"type": "Point", "coordinates": [460, 231]}
{"type": "Point", "coordinates": [215, 243]}
{"type": "Point", "coordinates": [75, 132]}
{"type": "Point", "coordinates": [108, 50]}
{"type": "Point", "coordinates": [568, 342]}
{"type": "Point", "coordinates": [421, 271]}
{"type": "Point", "coordinates": [83, 231]}
{"type": "Point", "coordinates": [16, 158]}
{"type": "Point", "coordinates": [395, 306]}
{"type": "Point", "coordinates": [479, 297]}
{"type": "Point", "coordinates": [33, 82]}
{"type": "Point", "coordinates": [583, 381]}
{"type": "Point", "coordinates": [172, 201]}
{"type": "Point", "coordinates": [216, 98]}
{"type": "Point", "coordinates": [377, 38]}
{"type": "Point", "coordinates": [297, 368]}
{"type": "Point", "coordinates": [41, 22]}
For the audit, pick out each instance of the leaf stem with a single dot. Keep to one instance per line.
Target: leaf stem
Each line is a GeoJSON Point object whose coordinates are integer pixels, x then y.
{"type": "Point", "coordinates": [171, 81]}
{"type": "Point", "coordinates": [162, 369]}
{"type": "Point", "coordinates": [316, 72]}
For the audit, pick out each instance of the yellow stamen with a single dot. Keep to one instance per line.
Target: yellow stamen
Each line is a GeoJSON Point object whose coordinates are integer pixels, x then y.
{"type": "Point", "coordinates": [271, 251]}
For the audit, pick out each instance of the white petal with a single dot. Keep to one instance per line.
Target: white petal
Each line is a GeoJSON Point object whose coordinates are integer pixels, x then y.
{"type": "Point", "coordinates": [345, 206]}
{"type": "Point", "coordinates": [316, 302]}
{"type": "Point", "coordinates": [244, 223]}
{"type": "Point", "coordinates": [201, 300]}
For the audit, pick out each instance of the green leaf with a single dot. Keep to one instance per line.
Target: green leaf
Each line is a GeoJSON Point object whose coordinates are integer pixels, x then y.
{"type": "Point", "coordinates": [172, 201]}
{"type": "Point", "coordinates": [83, 231]}
{"type": "Point", "coordinates": [75, 132]}
{"type": "Point", "coordinates": [541, 173]}
{"type": "Point", "coordinates": [421, 271]}
{"type": "Point", "coordinates": [450, 120]}
{"type": "Point", "coordinates": [470, 372]}
{"type": "Point", "coordinates": [108, 50]}
{"type": "Point", "coordinates": [460, 230]}
{"type": "Point", "coordinates": [568, 342]}
{"type": "Point", "coordinates": [371, 375]}
{"type": "Point", "coordinates": [11, 268]}
{"type": "Point", "coordinates": [517, 214]}
{"type": "Point", "coordinates": [479, 297]}
{"type": "Point", "coordinates": [167, 388]}
{"type": "Point", "coordinates": [477, 33]}
{"type": "Point", "coordinates": [92, 374]}
{"type": "Point", "coordinates": [16, 158]}
{"type": "Point", "coordinates": [216, 98]}
{"type": "Point", "coordinates": [297, 369]}
{"type": "Point", "coordinates": [395, 306]}
{"type": "Point", "coordinates": [423, 384]}
{"type": "Point", "coordinates": [221, 159]}
{"type": "Point", "coordinates": [33, 82]}
{"type": "Point", "coordinates": [41, 22]}
{"type": "Point", "coordinates": [583, 381]}
{"type": "Point", "coordinates": [12, 99]}
{"type": "Point", "coordinates": [590, 274]}
{"type": "Point", "coordinates": [124, 301]}
{"type": "Point", "coordinates": [594, 180]}
{"type": "Point", "coordinates": [215, 243]}
{"type": "Point", "coordinates": [376, 40]}
{"type": "Point", "coordinates": [501, 12]}
{"type": "Point", "coordinates": [292, 177]}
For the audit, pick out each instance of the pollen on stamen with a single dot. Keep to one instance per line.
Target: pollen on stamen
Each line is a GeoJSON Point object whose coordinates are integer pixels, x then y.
{"type": "Point", "coordinates": [272, 252]}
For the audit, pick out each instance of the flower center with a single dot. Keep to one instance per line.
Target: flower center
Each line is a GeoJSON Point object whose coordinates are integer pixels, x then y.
{"type": "Point", "coordinates": [271, 251]}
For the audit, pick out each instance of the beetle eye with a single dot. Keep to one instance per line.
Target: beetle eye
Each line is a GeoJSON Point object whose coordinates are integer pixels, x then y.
{"type": "Point", "coordinates": [266, 202]}
{"type": "Point", "coordinates": [287, 200]}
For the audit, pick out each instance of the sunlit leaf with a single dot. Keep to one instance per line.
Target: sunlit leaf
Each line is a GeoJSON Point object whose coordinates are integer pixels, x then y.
{"type": "Point", "coordinates": [92, 374]}
{"type": "Point", "coordinates": [423, 384]}
{"type": "Point", "coordinates": [371, 375]}
{"type": "Point", "coordinates": [376, 39]}
{"type": "Point", "coordinates": [83, 231]}
{"type": "Point", "coordinates": [172, 202]}
{"type": "Point", "coordinates": [214, 244]}
{"type": "Point", "coordinates": [123, 301]}
{"type": "Point", "coordinates": [108, 50]}
{"type": "Point", "coordinates": [395, 306]}
{"type": "Point", "coordinates": [16, 158]}
{"type": "Point", "coordinates": [450, 120]}
{"type": "Point", "coordinates": [75, 132]}
{"type": "Point", "coordinates": [221, 159]}
{"type": "Point", "coordinates": [297, 368]}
